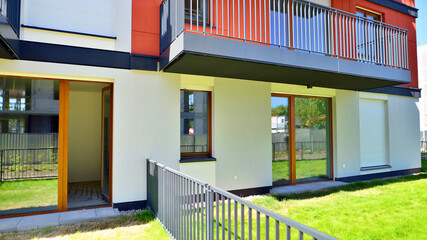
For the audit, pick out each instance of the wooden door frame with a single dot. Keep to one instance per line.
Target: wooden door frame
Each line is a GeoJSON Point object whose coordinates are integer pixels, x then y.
{"type": "Point", "coordinates": [292, 139]}
{"type": "Point", "coordinates": [110, 178]}
{"type": "Point", "coordinates": [64, 98]}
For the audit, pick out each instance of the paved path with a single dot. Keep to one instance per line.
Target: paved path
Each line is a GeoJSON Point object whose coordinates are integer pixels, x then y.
{"type": "Point", "coordinates": [55, 219]}
{"type": "Point", "coordinates": [307, 187]}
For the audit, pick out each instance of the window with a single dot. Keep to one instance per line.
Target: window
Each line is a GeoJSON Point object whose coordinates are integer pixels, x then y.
{"type": "Point", "coordinates": [371, 15]}
{"type": "Point", "coordinates": [194, 8]}
{"type": "Point", "coordinates": [195, 124]}
{"type": "Point", "coordinates": [368, 42]}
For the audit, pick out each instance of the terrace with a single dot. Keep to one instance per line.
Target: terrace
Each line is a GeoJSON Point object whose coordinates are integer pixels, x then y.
{"type": "Point", "coordinates": [285, 41]}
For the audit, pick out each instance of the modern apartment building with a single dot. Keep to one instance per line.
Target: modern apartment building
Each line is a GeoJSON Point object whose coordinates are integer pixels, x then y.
{"type": "Point", "coordinates": [90, 89]}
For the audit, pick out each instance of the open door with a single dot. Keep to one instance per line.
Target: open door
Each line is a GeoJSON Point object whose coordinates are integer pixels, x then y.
{"type": "Point", "coordinates": [106, 157]}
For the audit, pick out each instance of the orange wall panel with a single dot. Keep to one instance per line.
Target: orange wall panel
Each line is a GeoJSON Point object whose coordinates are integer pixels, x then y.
{"type": "Point", "coordinates": [146, 26]}
{"type": "Point", "coordinates": [145, 43]}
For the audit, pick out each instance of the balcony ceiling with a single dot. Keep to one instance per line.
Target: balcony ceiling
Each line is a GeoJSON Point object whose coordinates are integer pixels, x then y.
{"type": "Point", "coordinates": [218, 57]}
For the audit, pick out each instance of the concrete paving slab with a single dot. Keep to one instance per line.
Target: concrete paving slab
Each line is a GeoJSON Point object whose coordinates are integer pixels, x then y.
{"type": "Point", "coordinates": [73, 217]}
{"type": "Point", "coordinates": [9, 224]}
{"type": "Point", "coordinates": [104, 213]}
{"type": "Point", "coordinates": [55, 219]}
{"type": "Point", "coordinates": [308, 187]}
{"type": "Point", "coordinates": [38, 221]}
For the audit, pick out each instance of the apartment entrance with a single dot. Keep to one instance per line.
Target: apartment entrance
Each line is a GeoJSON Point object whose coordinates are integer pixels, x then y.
{"type": "Point", "coordinates": [301, 139]}
{"type": "Point", "coordinates": [89, 141]}
{"type": "Point", "coordinates": [55, 145]}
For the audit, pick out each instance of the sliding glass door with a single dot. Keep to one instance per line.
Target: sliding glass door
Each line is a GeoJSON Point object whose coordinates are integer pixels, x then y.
{"type": "Point", "coordinates": [106, 144]}
{"type": "Point", "coordinates": [301, 138]}
{"type": "Point", "coordinates": [29, 126]}
{"type": "Point", "coordinates": [312, 138]}
{"type": "Point", "coordinates": [280, 138]}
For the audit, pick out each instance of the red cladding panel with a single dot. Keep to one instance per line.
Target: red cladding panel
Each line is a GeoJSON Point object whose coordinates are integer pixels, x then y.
{"type": "Point", "coordinates": [145, 26]}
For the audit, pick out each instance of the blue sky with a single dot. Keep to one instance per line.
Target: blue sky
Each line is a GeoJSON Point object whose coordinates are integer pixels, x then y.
{"type": "Point", "coordinates": [421, 22]}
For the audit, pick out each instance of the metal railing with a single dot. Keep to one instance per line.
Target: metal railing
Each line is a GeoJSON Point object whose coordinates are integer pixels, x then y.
{"type": "Point", "coordinates": [192, 209]}
{"type": "Point", "coordinates": [22, 164]}
{"type": "Point", "coordinates": [11, 10]}
{"type": "Point", "coordinates": [423, 149]}
{"type": "Point", "coordinates": [292, 24]}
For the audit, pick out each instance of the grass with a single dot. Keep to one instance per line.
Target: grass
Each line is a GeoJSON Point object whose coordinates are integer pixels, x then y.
{"type": "Point", "coordinates": [394, 208]}
{"type": "Point", "coordinates": [381, 209]}
{"type": "Point", "coordinates": [137, 226]}
{"type": "Point", "coordinates": [304, 169]}
{"type": "Point", "coordinates": [28, 194]}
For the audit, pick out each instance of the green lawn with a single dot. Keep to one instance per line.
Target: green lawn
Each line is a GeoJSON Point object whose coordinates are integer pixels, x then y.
{"type": "Point", "coordinates": [28, 194]}
{"type": "Point", "coordinates": [138, 226]}
{"type": "Point", "coordinates": [381, 209]}
{"type": "Point", "coordinates": [393, 208]}
{"type": "Point", "coordinates": [304, 169]}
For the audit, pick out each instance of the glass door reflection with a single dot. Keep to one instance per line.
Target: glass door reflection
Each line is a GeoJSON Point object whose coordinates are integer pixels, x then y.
{"type": "Point", "coordinates": [280, 139]}
{"type": "Point", "coordinates": [312, 135]}
{"type": "Point", "coordinates": [106, 148]}
{"type": "Point", "coordinates": [29, 118]}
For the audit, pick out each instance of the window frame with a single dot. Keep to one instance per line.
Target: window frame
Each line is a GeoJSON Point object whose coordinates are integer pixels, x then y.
{"type": "Point", "coordinates": [367, 12]}
{"type": "Point", "coordinates": [207, 154]}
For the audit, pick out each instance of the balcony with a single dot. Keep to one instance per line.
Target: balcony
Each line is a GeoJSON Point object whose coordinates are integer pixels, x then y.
{"type": "Point", "coordinates": [9, 27]}
{"type": "Point", "coordinates": [285, 41]}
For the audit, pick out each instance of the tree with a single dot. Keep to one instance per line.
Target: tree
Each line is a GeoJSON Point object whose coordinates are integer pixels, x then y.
{"type": "Point", "coordinates": [280, 110]}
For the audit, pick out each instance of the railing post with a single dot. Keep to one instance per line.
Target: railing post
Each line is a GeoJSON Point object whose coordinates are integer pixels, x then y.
{"type": "Point", "coordinates": [209, 212]}
{"type": "Point", "coordinates": [163, 171]}
{"type": "Point", "coordinates": [1, 165]}
{"type": "Point", "coordinates": [204, 17]}
{"type": "Point", "coordinates": [244, 19]}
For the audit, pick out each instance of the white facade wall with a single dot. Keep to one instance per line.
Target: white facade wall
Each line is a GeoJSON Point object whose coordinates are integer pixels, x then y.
{"type": "Point", "coordinates": [242, 129]}
{"type": "Point", "coordinates": [422, 83]}
{"type": "Point", "coordinates": [111, 18]}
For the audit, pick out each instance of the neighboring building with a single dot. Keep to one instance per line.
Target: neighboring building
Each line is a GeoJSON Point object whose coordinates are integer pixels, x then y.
{"type": "Point", "coordinates": [191, 84]}
{"type": "Point", "coordinates": [422, 82]}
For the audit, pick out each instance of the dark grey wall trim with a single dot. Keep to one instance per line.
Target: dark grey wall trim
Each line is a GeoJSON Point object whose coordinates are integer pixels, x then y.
{"type": "Point", "coordinates": [398, 6]}
{"type": "Point", "coordinates": [143, 62]}
{"type": "Point", "coordinates": [251, 191]}
{"type": "Point", "coordinates": [72, 32]}
{"type": "Point", "coordinates": [45, 52]}
{"type": "Point", "coordinates": [126, 206]}
{"type": "Point", "coordinates": [379, 175]}
{"type": "Point", "coordinates": [398, 90]}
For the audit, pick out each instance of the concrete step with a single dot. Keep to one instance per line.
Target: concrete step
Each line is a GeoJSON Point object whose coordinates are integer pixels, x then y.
{"type": "Point", "coordinates": [56, 219]}
{"type": "Point", "coordinates": [307, 187]}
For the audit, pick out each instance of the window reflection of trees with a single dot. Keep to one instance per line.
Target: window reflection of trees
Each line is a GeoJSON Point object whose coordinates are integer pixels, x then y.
{"type": "Point", "coordinates": [311, 112]}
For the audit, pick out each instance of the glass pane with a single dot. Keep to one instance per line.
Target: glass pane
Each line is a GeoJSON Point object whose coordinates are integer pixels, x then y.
{"type": "Point", "coordinates": [106, 143]}
{"type": "Point", "coordinates": [280, 138]}
{"type": "Point", "coordinates": [312, 133]}
{"type": "Point", "coordinates": [194, 122]}
{"type": "Point", "coordinates": [29, 110]}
